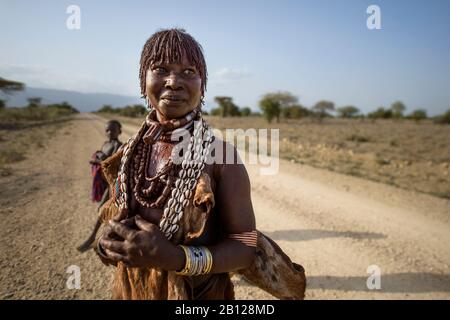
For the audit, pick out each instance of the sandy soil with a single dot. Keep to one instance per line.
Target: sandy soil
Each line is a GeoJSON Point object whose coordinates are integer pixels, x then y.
{"type": "Point", "coordinates": [334, 225]}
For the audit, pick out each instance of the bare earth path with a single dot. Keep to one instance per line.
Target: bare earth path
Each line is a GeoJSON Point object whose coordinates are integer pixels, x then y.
{"type": "Point", "coordinates": [334, 225]}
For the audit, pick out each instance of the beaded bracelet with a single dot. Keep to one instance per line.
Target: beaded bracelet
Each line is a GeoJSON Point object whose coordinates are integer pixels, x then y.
{"type": "Point", "coordinates": [198, 261]}
{"type": "Point", "coordinates": [249, 238]}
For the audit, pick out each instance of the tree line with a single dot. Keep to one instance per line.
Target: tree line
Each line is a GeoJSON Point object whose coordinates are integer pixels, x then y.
{"type": "Point", "coordinates": [35, 110]}
{"type": "Point", "coordinates": [285, 105]}
{"type": "Point", "coordinates": [134, 111]}
{"type": "Point", "coordinates": [272, 106]}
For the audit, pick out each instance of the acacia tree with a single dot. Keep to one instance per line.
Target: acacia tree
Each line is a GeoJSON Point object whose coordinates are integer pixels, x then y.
{"type": "Point", "coordinates": [322, 107]}
{"type": "Point", "coordinates": [286, 100]}
{"type": "Point", "coordinates": [347, 111]}
{"type": "Point", "coordinates": [270, 108]}
{"type": "Point", "coordinates": [9, 86]}
{"type": "Point", "coordinates": [227, 107]}
{"type": "Point", "coordinates": [398, 108]}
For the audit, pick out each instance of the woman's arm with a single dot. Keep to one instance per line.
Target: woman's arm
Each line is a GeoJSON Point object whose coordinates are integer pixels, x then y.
{"type": "Point", "coordinates": [234, 206]}
{"type": "Point", "coordinates": [147, 247]}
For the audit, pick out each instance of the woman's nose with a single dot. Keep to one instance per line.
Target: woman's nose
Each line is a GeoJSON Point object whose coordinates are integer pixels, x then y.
{"type": "Point", "coordinates": [173, 82]}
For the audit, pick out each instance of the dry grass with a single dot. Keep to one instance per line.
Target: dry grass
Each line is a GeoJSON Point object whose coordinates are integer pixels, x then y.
{"type": "Point", "coordinates": [410, 155]}
{"type": "Point", "coordinates": [414, 156]}
{"type": "Point", "coordinates": [19, 138]}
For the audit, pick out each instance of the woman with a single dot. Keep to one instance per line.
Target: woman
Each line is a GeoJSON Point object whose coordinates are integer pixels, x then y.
{"type": "Point", "coordinates": [179, 229]}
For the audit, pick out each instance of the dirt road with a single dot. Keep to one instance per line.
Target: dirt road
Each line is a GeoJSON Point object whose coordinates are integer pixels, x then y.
{"type": "Point", "coordinates": [336, 226]}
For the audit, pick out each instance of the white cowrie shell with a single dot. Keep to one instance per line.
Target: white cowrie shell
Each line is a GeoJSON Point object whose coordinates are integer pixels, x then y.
{"type": "Point", "coordinates": [170, 202]}
{"type": "Point", "coordinates": [166, 211]}
{"type": "Point", "coordinates": [162, 224]}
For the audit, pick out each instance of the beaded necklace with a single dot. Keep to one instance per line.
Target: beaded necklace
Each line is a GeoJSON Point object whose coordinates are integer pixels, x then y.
{"type": "Point", "coordinates": [176, 185]}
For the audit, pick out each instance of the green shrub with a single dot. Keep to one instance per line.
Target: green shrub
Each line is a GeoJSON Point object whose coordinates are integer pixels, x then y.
{"type": "Point", "coordinates": [33, 113]}
{"type": "Point", "coordinates": [418, 115]}
{"type": "Point", "coordinates": [444, 119]}
{"type": "Point", "coordinates": [133, 111]}
{"type": "Point", "coordinates": [381, 113]}
{"type": "Point", "coordinates": [245, 111]}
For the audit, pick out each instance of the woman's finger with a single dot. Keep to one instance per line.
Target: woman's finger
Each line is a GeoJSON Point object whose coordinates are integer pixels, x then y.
{"type": "Point", "coordinates": [110, 235]}
{"type": "Point", "coordinates": [114, 256]}
{"type": "Point", "coordinates": [122, 230]}
{"type": "Point", "coordinates": [144, 224]}
{"type": "Point", "coordinates": [116, 246]}
{"type": "Point", "coordinates": [128, 222]}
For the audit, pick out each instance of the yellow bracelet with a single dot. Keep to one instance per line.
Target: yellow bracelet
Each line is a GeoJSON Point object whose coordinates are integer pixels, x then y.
{"type": "Point", "coordinates": [209, 260]}
{"type": "Point", "coordinates": [187, 266]}
{"type": "Point", "coordinates": [199, 261]}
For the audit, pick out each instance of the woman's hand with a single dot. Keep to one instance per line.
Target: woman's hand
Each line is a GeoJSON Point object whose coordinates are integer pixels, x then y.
{"type": "Point", "coordinates": [110, 235]}
{"type": "Point", "coordinates": [142, 248]}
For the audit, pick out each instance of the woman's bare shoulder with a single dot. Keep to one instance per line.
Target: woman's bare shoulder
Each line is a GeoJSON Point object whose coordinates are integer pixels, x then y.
{"type": "Point", "coordinates": [226, 161]}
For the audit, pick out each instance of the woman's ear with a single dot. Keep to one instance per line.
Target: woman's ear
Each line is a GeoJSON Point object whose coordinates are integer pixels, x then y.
{"type": "Point", "coordinates": [147, 104]}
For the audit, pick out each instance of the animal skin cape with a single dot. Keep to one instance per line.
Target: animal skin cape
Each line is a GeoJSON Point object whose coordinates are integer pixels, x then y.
{"type": "Point", "coordinates": [272, 270]}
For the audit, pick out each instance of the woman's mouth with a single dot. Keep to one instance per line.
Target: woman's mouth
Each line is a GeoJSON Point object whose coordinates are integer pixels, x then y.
{"type": "Point", "coordinates": [172, 98]}
{"type": "Point", "coordinates": [172, 101]}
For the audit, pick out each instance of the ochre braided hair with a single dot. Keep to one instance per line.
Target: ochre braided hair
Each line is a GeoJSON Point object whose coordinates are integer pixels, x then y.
{"type": "Point", "coordinates": [169, 46]}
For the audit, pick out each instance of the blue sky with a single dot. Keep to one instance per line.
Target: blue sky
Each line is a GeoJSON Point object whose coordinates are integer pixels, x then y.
{"type": "Point", "coordinates": [314, 49]}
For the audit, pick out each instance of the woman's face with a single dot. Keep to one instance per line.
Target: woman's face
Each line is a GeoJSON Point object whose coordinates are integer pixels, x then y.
{"type": "Point", "coordinates": [173, 90]}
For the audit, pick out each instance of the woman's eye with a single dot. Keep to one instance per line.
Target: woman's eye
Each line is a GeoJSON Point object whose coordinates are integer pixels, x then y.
{"type": "Point", "coordinates": [189, 72]}
{"type": "Point", "coordinates": [159, 70]}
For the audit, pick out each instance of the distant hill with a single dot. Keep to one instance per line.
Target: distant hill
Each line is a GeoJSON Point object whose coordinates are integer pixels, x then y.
{"type": "Point", "coordinates": [84, 102]}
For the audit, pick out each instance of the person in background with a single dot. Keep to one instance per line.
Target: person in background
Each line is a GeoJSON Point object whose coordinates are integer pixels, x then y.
{"type": "Point", "coordinates": [100, 191]}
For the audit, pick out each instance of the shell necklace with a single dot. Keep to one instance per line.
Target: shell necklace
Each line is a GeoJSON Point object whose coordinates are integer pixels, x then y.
{"type": "Point", "coordinates": [177, 188]}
